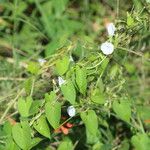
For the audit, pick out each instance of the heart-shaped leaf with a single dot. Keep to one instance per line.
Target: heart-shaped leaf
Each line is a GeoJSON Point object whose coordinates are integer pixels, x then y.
{"type": "Point", "coordinates": [33, 68]}
{"type": "Point", "coordinates": [69, 92]}
{"type": "Point", "coordinates": [53, 113]}
{"type": "Point", "coordinates": [141, 142]}
{"type": "Point", "coordinates": [24, 106]}
{"type": "Point", "coordinates": [98, 97]}
{"type": "Point", "coordinates": [122, 109]}
{"type": "Point", "coordinates": [62, 65]}
{"type": "Point", "coordinates": [90, 120]}
{"type": "Point", "coordinates": [42, 127]}
{"type": "Point", "coordinates": [22, 135]}
{"type": "Point", "coordinates": [34, 142]}
{"type": "Point", "coordinates": [50, 97]}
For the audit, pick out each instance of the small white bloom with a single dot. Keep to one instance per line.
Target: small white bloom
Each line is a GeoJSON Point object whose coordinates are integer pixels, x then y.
{"type": "Point", "coordinates": [107, 48]}
{"type": "Point", "coordinates": [61, 81]}
{"type": "Point", "coordinates": [71, 111]}
{"type": "Point", "coordinates": [110, 29]}
{"type": "Point", "coordinates": [71, 59]}
{"type": "Point", "coordinates": [41, 61]}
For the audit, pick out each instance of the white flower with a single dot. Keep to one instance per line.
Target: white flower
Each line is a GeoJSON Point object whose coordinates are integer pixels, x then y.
{"type": "Point", "coordinates": [71, 111]}
{"type": "Point", "coordinates": [41, 61]}
{"type": "Point", "coordinates": [71, 59]}
{"type": "Point", "coordinates": [110, 29]}
{"type": "Point", "coordinates": [107, 48]}
{"type": "Point", "coordinates": [61, 81]}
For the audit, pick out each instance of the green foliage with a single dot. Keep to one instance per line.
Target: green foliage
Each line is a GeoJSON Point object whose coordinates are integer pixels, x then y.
{"type": "Point", "coordinates": [141, 141]}
{"type": "Point", "coordinates": [50, 97]}
{"type": "Point", "coordinates": [36, 104]}
{"type": "Point", "coordinates": [62, 65]}
{"type": "Point", "coordinates": [42, 127]}
{"type": "Point", "coordinates": [69, 92]}
{"type": "Point", "coordinates": [123, 109]}
{"type": "Point", "coordinates": [91, 122]}
{"type": "Point", "coordinates": [109, 93]}
{"type": "Point", "coordinates": [28, 85]}
{"type": "Point", "coordinates": [143, 112]}
{"type": "Point", "coordinates": [66, 145]}
{"type": "Point", "coordinates": [24, 106]}
{"type": "Point", "coordinates": [81, 79]}
{"type": "Point", "coordinates": [130, 67]}
{"type": "Point", "coordinates": [130, 20]}
{"type": "Point", "coordinates": [22, 135]}
{"type": "Point", "coordinates": [98, 97]}
{"type": "Point", "coordinates": [53, 113]}
{"type": "Point", "coordinates": [33, 68]}
{"type": "Point", "coordinates": [97, 146]}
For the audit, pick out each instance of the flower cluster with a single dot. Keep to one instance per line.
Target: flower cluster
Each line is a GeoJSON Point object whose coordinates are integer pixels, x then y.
{"type": "Point", "coordinates": [107, 47]}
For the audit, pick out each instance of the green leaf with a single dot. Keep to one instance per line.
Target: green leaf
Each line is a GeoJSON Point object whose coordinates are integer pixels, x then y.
{"type": "Point", "coordinates": [28, 85]}
{"type": "Point", "coordinates": [98, 97]}
{"type": "Point", "coordinates": [66, 145]}
{"type": "Point", "coordinates": [22, 135]}
{"type": "Point", "coordinates": [59, 6]}
{"type": "Point", "coordinates": [100, 85]}
{"type": "Point", "coordinates": [7, 128]}
{"type": "Point", "coordinates": [53, 113]}
{"type": "Point", "coordinates": [143, 112]}
{"type": "Point", "coordinates": [130, 20]}
{"type": "Point", "coordinates": [46, 18]}
{"type": "Point", "coordinates": [34, 142]}
{"type": "Point", "coordinates": [141, 142]}
{"type": "Point", "coordinates": [103, 66]}
{"type": "Point", "coordinates": [69, 92]}
{"type": "Point", "coordinates": [52, 47]}
{"type": "Point", "coordinates": [91, 138]}
{"type": "Point", "coordinates": [81, 79]}
{"type": "Point", "coordinates": [130, 67]}
{"type": "Point", "coordinates": [97, 146]}
{"type": "Point", "coordinates": [50, 97]}
{"type": "Point", "coordinates": [24, 106]}
{"type": "Point", "coordinates": [62, 65]}
{"type": "Point", "coordinates": [36, 104]}
{"type": "Point", "coordinates": [90, 120]}
{"type": "Point", "coordinates": [42, 127]}
{"type": "Point", "coordinates": [33, 68]}
{"type": "Point", "coordinates": [114, 71]}
{"type": "Point", "coordinates": [122, 109]}
{"type": "Point", "coordinates": [10, 145]}
{"type": "Point", "coordinates": [79, 51]}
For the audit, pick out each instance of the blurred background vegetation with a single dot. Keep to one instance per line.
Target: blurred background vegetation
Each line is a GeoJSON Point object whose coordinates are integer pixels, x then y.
{"type": "Point", "coordinates": [33, 29]}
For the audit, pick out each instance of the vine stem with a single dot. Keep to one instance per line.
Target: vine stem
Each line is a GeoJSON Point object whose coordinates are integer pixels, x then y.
{"type": "Point", "coordinates": [11, 79]}
{"type": "Point", "coordinates": [32, 88]}
{"type": "Point", "coordinates": [97, 63]}
{"type": "Point", "coordinates": [133, 52]}
{"type": "Point", "coordinates": [36, 117]}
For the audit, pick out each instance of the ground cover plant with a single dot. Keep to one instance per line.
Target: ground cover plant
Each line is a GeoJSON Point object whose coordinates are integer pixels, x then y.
{"type": "Point", "coordinates": [74, 75]}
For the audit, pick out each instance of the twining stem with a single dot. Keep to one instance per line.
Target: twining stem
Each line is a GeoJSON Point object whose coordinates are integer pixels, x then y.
{"type": "Point", "coordinates": [36, 117]}
{"type": "Point", "coordinates": [133, 52]}
{"type": "Point", "coordinates": [97, 63]}
{"type": "Point", "coordinates": [11, 79]}
{"type": "Point", "coordinates": [32, 88]}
